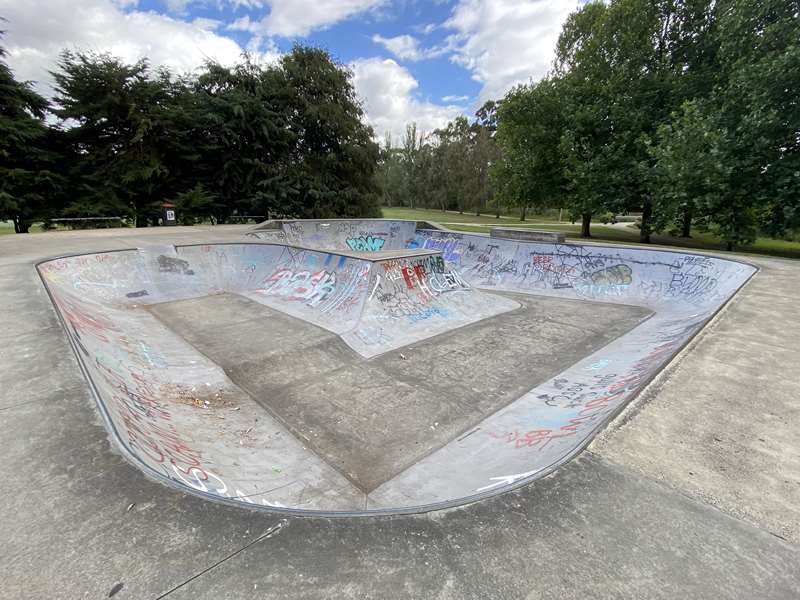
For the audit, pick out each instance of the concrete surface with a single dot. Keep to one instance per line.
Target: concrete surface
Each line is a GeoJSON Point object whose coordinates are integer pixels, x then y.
{"type": "Point", "coordinates": [722, 425]}
{"type": "Point", "coordinates": [80, 522]}
{"type": "Point", "coordinates": [521, 233]}
{"type": "Point", "coordinates": [164, 400]}
{"type": "Point", "coordinates": [373, 419]}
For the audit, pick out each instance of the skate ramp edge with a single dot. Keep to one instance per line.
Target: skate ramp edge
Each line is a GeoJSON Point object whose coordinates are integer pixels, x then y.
{"type": "Point", "coordinates": [147, 381]}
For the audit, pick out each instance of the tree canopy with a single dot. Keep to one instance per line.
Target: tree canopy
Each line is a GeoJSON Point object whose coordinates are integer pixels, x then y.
{"type": "Point", "coordinates": [286, 139]}
{"type": "Point", "coordinates": [683, 110]}
{"type": "Point", "coordinates": [29, 180]}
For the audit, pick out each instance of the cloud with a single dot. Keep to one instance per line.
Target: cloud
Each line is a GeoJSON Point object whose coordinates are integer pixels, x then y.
{"type": "Point", "coordinates": [38, 30]}
{"type": "Point", "coordinates": [406, 47]}
{"type": "Point", "coordinates": [177, 6]}
{"type": "Point", "coordinates": [245, 24]}
{"type": "Point", "coordinates": [298, 18]}
{"type": "Point", "coordinates": [205, 23]}
{"type": "Point", "coordinates": [506, 42]}
{"type": "Point", "coordinates": [451, 99]}
{"type": "Point", "coordinates": [426, 29]}
{"type": "Point", "coordinates": [387, 90]}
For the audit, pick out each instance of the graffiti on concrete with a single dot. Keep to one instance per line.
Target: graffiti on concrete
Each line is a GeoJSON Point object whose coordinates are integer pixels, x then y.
{"type": "Point", "coordinates": [366, 244]}
{"type": "Point", "coordinates": [409, 287]}
{"type": "Point", "coordinates": [377, 302]}
{"type": "Point", "coordinates": [584, 401]}
{"type": "Point", "coordinates": [169, 264]}
{"type": "Point", "coordinates": [302, 286]}
{"type": "Point", "coordinates": [591, 272]}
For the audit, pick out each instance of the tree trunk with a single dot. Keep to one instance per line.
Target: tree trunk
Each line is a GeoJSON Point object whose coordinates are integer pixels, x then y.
{"type": "Point", "coordinates": [523, 213]}
{"type": "Point", "coordinates": [586, 222]}
{"type": "Point", "coordinates": [687, 222]}
{"type": "Point", "coordinates": [644, 229]}
{"type": "Point", "coordinates": [21, 226]}
{"type": "Point", "coordinates": [729, 246]}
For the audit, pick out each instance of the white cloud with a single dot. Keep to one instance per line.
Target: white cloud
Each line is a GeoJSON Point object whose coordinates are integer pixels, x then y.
{"type": "Point", "coordinates": [426, 29]}
{"type": "Point", "coordinates": [205, 23]}
{"type": "Point", "coordinates": [246, 3]}
{"type": "Point", "coordinates": [292, 18]}
{"type": "Point", "coordinates": [245, 24]}
{"type": "Point", "coordinates": [506, 42]}
{"type": "Point", "coordinates": [451, 99]}
{"type": "Point", "coordinates": [177, 6]}
{"type": "Point", "coordinates": [387, 89]}
{"type": "Point", "coordinates": [38, 30]}
{"type": "Point", "coordinates": [405, 47]}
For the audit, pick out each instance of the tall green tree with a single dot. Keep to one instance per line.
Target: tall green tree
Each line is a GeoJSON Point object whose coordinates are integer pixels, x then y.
{"type": "Point", "coordinates": [390, 174]}
{"type": "Point", "coordinates": [529, 170]}
{"type": "Point", "coordinates": [117, 128]}
{"type": "Point", "coordinates": [29, 179]}
{"type": "Point", "coordinates": [693, 169]}
{"type": "Point", "coordinates": [332, 159]}
{"type": "Point", "coordinates": [615, 64]}
{"type": "Point", "coordinates": [243, 139]}
{"type": "Point", "coordinates": [759, 49]}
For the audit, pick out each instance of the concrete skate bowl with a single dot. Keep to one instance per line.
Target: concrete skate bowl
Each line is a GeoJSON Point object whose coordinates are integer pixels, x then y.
{"type": "Point", "coordinates": [347, 379]}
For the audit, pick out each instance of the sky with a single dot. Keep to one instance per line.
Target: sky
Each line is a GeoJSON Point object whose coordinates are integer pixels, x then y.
{"type": "Point", "coordinates": [412, 60]}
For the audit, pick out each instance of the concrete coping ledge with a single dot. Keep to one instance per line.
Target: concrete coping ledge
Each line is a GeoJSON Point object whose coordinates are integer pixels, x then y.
{"type": "Point", "coordinates": [520, 233]}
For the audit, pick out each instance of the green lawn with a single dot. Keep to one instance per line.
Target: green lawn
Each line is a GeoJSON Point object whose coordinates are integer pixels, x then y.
{"type": "Point", "coordinates": [600, 232]}
{"type": "Point", "coordinates": [8, 227]}
{"type": "Point", "coordinates": [421, 214]}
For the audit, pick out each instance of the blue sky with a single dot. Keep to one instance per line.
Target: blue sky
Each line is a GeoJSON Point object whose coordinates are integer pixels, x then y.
{"type": "Point", "coordinates": [412, 60]}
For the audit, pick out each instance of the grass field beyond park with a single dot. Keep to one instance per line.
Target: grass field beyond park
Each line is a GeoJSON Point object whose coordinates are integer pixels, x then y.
{"type": "Point", "coordinates": [622, 234]}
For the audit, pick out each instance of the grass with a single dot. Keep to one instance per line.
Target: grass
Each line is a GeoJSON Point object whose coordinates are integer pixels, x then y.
{"type": "Point", "coordinates": [423, 214]}
{"type": "Point", "coordinates": [8, 227]}
{"type": "Point", "coordinates": [600, 232]}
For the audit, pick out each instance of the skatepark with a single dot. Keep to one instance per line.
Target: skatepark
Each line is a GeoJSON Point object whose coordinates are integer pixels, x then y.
{"type": "Point", "coordinates": [258, 401]}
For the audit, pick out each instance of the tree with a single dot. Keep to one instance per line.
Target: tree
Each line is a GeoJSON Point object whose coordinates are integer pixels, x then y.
{"type": "Point", "coordinates": [196, 205]}
{"type": "Point", "coordinates": [616, 66]}
{"type": "Point", "coordinates": [757, 103]}
{"type": "Point", "coordinates": [583, 66]}
{"type": "Point", "coordinates": [730, 159]}
{"type": "Point", "coordinates": [285, 140]}
{"type": "Point", "coordinates": [390, 175]}
{"type": "Point", "coordinates": [693, 174]}
{"type": "Point", "coordinates": [529, 170]}
{"type": "Point", "coordinates": [332, 158]}
{"type": "Point", "coordinates": [118, 133]}
{"type": "Point", "coordinates": [29, 182]}
{"type": "Point", "coordinates": [242, 134]}
{"type": "Point", "coordinates": [409, 153]}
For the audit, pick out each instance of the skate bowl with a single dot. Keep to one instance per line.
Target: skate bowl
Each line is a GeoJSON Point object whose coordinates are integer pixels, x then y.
{"type": "Point", "coordinates": [347, 368]}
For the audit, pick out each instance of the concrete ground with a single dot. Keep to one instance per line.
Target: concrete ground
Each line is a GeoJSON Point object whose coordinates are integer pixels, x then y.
{"type": "Point", "coordinates": [372, 419]}
{"type": "Point", "coordinates": [694, 492]}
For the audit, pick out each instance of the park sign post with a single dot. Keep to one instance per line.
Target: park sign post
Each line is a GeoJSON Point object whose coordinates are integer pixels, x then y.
{"type": "Point", "coordinates": [168, 214]}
